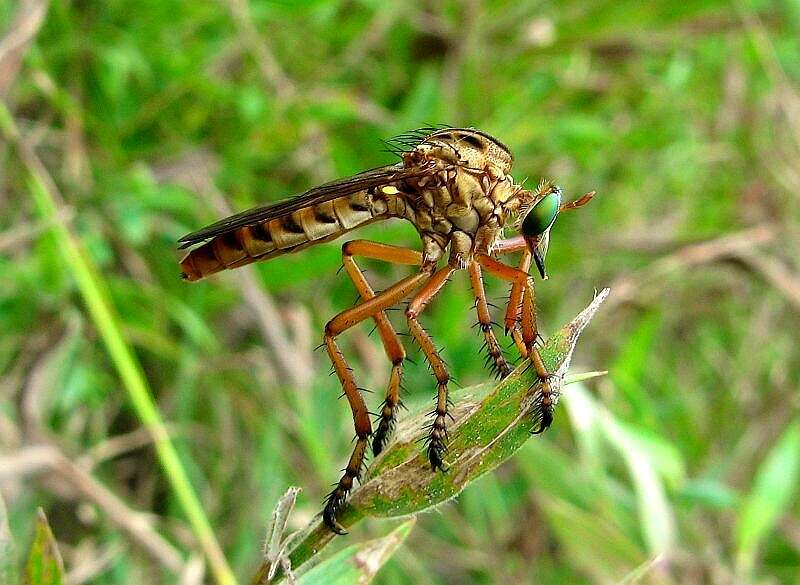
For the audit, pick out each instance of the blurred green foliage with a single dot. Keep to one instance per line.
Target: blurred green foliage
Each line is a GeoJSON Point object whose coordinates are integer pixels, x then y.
{"type": "Point", "coordinates": [44, 565]}
{"type": "Point", "coordinates": [680, 467]}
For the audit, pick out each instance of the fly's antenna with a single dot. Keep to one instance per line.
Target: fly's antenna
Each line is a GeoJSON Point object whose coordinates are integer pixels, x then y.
{"type": "Point", "coordinates": [579, 202]}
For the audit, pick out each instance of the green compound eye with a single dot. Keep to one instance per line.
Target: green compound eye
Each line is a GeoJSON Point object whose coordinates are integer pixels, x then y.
{"type": "Point", "coordinates": [541, 216]}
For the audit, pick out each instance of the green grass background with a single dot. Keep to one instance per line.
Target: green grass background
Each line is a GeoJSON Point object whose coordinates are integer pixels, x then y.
{"type": "Point", "coordinates": [680, 466]}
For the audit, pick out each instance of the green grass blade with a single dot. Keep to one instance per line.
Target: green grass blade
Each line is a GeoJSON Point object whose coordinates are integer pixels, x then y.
{"type": "Point", "coordinates": [647, 460]}
{"type": "Point", "coordinates": [6, 546]}
{"type": "Point", "coordinates": [100, 308]}
{"type": "Point", "coordinates": [44, 565]}
{"type": "Point", "coordinates": [358, 563]}
{"type": "Point", "coordinates": [774, 487]}
{"type": "Point", "coordinates": [595, 545]}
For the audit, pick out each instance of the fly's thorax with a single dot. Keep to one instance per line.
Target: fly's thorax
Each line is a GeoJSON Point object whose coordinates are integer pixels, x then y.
{"type": "Point", "coordinates": [469, 148]}
{"type": "Point", "coordinates": [459, 200]}
{"type": "Point", "coordinates": [486, 200]}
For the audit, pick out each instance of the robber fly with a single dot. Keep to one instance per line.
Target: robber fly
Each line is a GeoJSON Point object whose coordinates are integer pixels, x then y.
{"type": "Point", "coordinates": [454, 185]}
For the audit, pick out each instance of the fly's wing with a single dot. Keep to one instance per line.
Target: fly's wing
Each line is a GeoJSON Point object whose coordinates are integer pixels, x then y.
{"type": "Point", "coordinates": [339, 188]}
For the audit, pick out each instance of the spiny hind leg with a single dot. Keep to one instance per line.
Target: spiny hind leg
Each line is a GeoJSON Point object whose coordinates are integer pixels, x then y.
{"type": "Point", "coordinates": [521, 319]}
{"type": "Point", "coordinates": [340, 323]}
{"type": "Point", "coordinates": [391, 342]}
{"type": "Point", "coordinates": [495, 358]}
{"type": "Point", "coordinates": [437, 439]}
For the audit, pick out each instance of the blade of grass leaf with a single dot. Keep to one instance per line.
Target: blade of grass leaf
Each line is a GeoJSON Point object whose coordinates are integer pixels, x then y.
{"type": "Point", "coordinates": [640, 572]}
{"type": "Point", "coordinates": [598, 547]}
{"type": "Point", "coordinates": [44, 565]}
{"type": "Point", "coordinates": [774, 486]}
{"type": "Point", "coordinates": [646, 464]}
{"type": "Point", "coordinates": [358, 563]}
{"type": "Point", "coordinates": [100, 308]}
{"type": "Point", "coordinates": [6, 546]}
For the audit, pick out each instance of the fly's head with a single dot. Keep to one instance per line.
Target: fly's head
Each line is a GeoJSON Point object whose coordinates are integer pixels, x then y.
{"type": "Point", "coordinates": [469, 148]}
{"type": "Point", "coordinates": [538, 210]}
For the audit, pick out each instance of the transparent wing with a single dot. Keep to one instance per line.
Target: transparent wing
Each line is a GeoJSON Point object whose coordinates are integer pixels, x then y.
{"type": "Point", "coordinates": [338, 188]}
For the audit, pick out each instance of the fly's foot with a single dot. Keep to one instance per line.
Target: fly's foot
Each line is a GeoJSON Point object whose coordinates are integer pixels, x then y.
{"type": "Point", "coordinates": [437, 444]}
{"type": "Point", "coordinates": [385, 430]}
{"type": "Point", "coordinates": [336, 499]}
{"type": "Point", "coordinates": [333, 504]}
{"type": "Point", "coordinates": [545, 403]}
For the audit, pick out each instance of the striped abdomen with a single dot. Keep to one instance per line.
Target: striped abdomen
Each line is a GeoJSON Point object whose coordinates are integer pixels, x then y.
{"type": "Point", "coordinates": [281, 235]}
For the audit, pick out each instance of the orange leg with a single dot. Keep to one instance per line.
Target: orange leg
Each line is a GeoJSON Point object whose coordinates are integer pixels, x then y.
{"type": "Point", "coordinates": [524, 330]}
{"type": "Point", "coordinates": [521, 313]}
{"type": "Point", "coordinates": [499, 363]}
{"type": "Point", "coordinates": [391, 343]}
{"type": "Point", "coordinates": [517, 304]}
{"type": "Point", "coordinates": [437, 440]}
{"type": "Point", "coordinates": [509, 245]}
{"type": "Point", "coordinates": [340, 323]}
